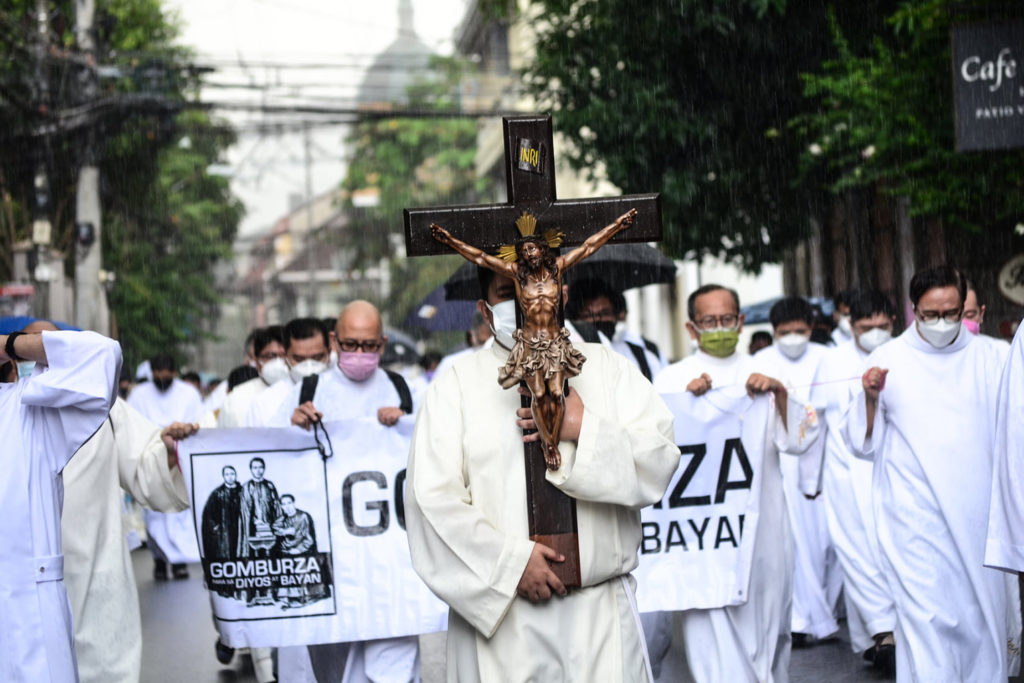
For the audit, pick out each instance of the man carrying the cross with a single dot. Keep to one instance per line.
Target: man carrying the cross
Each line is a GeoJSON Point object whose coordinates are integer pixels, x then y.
{"type": "Point", "coordinates": [511, 618]}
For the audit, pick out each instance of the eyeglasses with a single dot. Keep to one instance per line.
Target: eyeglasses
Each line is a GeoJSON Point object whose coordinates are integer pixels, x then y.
{"type": "Point", "coordinates": [367, 345]}
{"type": "Point", "coordinates": [709, 322]}
{"type": "Point", "coordinates": [950, 316]}
{"type": "Point", "coordinates": [600, 315]}
{"type": "Point", "coordinates": [268, 356]}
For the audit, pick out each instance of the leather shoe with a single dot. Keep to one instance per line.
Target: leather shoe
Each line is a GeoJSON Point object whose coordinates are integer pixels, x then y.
{"type": "Point", "coordinates": [224, 653]}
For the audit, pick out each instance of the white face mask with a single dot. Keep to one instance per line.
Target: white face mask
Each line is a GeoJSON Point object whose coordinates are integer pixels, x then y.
{"type": "Point", "coordinates": [939, 333]}
{"type": "Point", "coordinates": [504, 325]}
{"type": "Point", "coordinates": [844, 326]}
{"type": "Point", "coordinates": [275, 370]}
{"type": "Point", "coordinates": [620, 331]}
{"type": "Point", "coordinates": [306, 368]}
{"type": "Point", "coordinates": [26, 368]}
{"type": "Point", "coordinates": [873, 338]}
{"type": "Point", "coordinates": [792, 345]}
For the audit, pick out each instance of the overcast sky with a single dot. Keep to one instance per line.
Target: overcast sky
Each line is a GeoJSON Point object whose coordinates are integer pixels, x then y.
{"type": "Point", "coordinates": [244, 37]}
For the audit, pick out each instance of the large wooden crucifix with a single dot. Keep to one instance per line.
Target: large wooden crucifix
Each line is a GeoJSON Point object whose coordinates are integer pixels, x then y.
{"type": "Point", "coordinates": [530, 179]}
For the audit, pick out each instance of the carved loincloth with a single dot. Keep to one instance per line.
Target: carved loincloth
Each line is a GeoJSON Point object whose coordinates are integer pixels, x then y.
{"type": "Point", "coordinates": [530, 356]}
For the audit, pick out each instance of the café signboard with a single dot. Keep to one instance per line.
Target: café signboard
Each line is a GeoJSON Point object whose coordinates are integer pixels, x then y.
{"type": "Point", "coordinates": [988, 85]}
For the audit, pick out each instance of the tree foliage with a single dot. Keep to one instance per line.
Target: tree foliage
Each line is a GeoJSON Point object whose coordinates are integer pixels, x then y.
{"type": "Point", "coordinates": [166, 221]}
{"type": "Point", "coordinates": [689, 98]}
{"type": "Point", "coordinates": [164, 242]}
{"type": "Point", "coordinates": [883, 116]}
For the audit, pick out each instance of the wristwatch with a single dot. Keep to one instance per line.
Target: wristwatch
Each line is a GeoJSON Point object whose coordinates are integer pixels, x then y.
{"type": "Point", "coordinates": [9, 346]}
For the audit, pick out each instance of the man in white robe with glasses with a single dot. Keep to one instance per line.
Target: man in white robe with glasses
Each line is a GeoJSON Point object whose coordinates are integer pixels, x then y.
{"type": "Point", "coordinates": [749, 641]}
{"type": "Point", "coordinates": [927, 416]}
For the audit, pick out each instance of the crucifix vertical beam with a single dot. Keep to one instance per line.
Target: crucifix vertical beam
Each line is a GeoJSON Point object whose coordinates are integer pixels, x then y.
{"type": "Point", "coordinates": [530, 177]}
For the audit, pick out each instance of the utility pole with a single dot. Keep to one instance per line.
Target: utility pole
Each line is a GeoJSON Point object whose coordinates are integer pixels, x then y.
{"type": "Point", "coordinates": [41, 227]}
{"type": "Point", "coordinates": [91, 311]}
{"type": "Point", "coordinates": [310, 246]}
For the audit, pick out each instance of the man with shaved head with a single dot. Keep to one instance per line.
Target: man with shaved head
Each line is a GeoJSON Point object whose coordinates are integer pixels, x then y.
{"type": "Point", "coordinates": [356, 386]}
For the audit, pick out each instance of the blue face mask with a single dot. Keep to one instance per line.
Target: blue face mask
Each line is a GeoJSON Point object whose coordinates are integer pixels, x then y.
{"type": "Point", "coordinates": [26, 368]}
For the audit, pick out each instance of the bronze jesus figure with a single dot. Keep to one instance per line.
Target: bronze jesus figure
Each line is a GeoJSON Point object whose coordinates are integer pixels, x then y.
{"type": "Point", "coordinates": [542, 356]}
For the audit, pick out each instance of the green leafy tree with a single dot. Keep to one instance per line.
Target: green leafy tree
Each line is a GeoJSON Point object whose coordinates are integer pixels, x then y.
{"type": "Point", "coordinates": [884, 118]}
{"type": "Point", "coordinates": [689, 98]}
{"type": "Point", "coordinates": [166, 220]}
{"type": "Point", "coordinates": [164, 242]}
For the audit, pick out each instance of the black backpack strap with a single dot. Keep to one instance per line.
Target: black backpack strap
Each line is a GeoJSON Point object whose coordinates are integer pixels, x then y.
{"type": "Point", "coordinates": [308, 388]}
{"type": "Point", "coordinates": [641, 359]}
{"type": "Point", "coordinates": [404, 395]}
{"type": "Point", "coordinates": [652, 347]}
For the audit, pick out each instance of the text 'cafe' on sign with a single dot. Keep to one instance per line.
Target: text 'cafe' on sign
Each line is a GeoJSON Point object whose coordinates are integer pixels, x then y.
{"type": "Point", "coordinates": [988, 86]}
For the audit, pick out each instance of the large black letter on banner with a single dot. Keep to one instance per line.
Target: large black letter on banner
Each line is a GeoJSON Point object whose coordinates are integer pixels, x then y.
{"type": "Point", "coordinates": [733, 446]}
{"type": "Point", "coordinates": [400, 499]}
{"type": "Point", "coordinates": [676, 500]}
{"type": "Point", "coordinates": [381, 506]}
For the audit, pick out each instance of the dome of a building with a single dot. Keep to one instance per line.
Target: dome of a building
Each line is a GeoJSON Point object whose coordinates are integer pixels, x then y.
{"type": "Point", "coordinates": [403, 63]}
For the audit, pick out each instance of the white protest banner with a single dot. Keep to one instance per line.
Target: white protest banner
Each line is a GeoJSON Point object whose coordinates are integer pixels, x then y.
{"type": "Point", "coordinates": [300, 549]}
{"type": "Point", "coordinates": [694, 553]}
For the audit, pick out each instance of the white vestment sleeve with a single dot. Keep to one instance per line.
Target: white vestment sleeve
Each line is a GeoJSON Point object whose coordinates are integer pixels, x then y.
{"type": "Point", "coordinates": [80, 379]}
{"type": "Point", "coordinates": [627, 458]}
{"type": "Point", "coordinates": [459, 553]}
{"type": "Point", "coordinates": [142, 462]}
{"type": "Point", "coordinates": [855, 426]}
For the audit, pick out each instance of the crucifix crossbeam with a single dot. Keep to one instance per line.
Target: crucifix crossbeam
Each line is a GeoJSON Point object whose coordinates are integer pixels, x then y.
{"type": "Point", "coordinates": [530, 175]}
{"type": "Point", "coordinates": [530, 179]}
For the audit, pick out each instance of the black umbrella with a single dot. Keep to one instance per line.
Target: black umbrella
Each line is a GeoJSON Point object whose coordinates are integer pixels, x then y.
{"type": "Point", "coordinates": [620, 266]}
{"type": "Point", "coordinates": [401, 348]}
{"type": "Point", "coordinates": [758, 312]}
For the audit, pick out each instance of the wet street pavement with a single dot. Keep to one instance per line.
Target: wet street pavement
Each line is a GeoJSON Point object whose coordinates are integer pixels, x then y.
{"type": "Point", "coordinates": [178, 637]}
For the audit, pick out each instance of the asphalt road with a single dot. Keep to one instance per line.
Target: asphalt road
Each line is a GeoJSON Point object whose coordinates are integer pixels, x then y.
{"type": "Point", "coordinates": [178, 637]}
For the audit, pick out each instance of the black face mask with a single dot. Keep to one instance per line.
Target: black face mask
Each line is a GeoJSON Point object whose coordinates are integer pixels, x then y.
{"type": "Point", "coordinates": [163, 383]}
{"type": "Point", "coordinates": [606, 327]}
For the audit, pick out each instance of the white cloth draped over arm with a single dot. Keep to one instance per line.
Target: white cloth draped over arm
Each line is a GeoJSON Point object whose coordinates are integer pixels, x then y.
{"type": "Point", "coordinates": [801, 430]}
{"type": "Point", "coordinates": [626, 457]}
{"type": "Point", "coordinates": [80, 380]}
{"type": "Point", "coordinates": [855, 426]}
{"type": "Point", "coordinates": [142, 462]}
{"type": "Point", "coordinates": [466, 561]}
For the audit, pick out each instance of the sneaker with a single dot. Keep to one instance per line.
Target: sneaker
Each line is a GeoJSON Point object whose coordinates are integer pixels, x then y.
{"type": "Point", "coordinates": [159, 570]}
{"type": "Point", "coordinates": [224, 653]}
{"type": "Point", "coordinates": [179, 571]}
